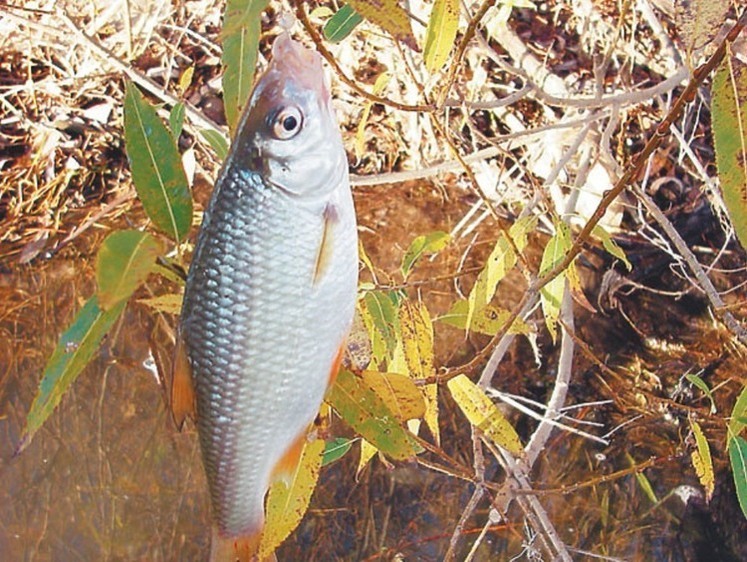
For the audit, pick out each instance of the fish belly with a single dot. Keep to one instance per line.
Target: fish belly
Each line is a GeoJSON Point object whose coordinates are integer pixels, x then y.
{"type": "Point", "coordinates": [262, 334]}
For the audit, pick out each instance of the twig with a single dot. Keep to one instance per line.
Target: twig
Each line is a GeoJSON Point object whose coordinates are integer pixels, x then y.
{"type": "Point", "coordinates": [317, 39]}
{"type": "Point", "coordinates": [705, 283]}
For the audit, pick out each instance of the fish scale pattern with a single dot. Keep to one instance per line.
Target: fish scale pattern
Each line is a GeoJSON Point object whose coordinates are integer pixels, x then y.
{"type": "Point", "coordinates": [259, 332]}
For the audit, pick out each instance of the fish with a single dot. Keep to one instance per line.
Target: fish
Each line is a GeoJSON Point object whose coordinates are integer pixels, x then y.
{"type": "Point", "coordinates": [270, 293]}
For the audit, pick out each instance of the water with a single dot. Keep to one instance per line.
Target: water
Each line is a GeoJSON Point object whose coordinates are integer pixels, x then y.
{"type": "Point", "coordinates": [108, 477]}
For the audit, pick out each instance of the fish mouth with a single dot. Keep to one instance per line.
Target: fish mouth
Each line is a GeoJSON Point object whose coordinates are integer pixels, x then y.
{"type": "Point", "coordinates": [293, 61]}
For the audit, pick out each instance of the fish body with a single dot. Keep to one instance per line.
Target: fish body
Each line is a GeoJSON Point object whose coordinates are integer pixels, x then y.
{"type": "Point", "coordinates": [271, 290]}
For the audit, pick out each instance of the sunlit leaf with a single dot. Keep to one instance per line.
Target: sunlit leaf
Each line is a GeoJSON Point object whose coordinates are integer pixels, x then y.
{"type": "Point", "coordinates": [389, 16]}
{"type": "Point", "coordinates": [738, 459]}
{"type": "Point", "coordinates": [321, 13]}
{"type": "Point", "coordinates": [611, 246]}
{"type": "Point", "coordinates": [217, 142]}
{"type": "Point", "coordinates": [185, 80]}
{"type": "Point", "coordinates": [241, 29]}
{"type": "Point", "coordinates": [176, 120]}
{"type": "Point", "coordinates": [73, 352]}
{"type": "Point", "coordinates": [381, 82]}
{"type": "Point", "coordinates": [423, 245]}
{"type": "Point", "coordinates": [124, 261]}
{"type": "Point", "coordinates": [370, 417]}
{"type": "Point", "coordinates": [341, 24]}
{"type": "Point", "coordinates": [729, 121]}
{"type": "Point", "coordinates": [701, 384]}
{"type": "Point", "coordinates": [440, 34]}
{"type": "Point", "coordinates": [157, 171]}
{"type": "Point", "coordinates": [417, 345]}
{"type": "Point", "coordinates": [335, 449]}
{"type": "Point", "coordinates": [502, 259]}
{"type": "Point", "coordinates": [170, 303]}
{"type": "Point", "coordinates": [701, 459]}
{"type": "Point", "coordinates": [738, 415]}
{"type": "Point", "coordinates": [488, 320]}
{"type": "Point", "coordinates": [399, 392]}
{"type": "Point", "coordinates": [382, 307]}
{"type": "Point", "coordinates": [359, 350]}
{"type": "Point", "coordinates": [287, 502]}
{"type": "Point", "coordinates": [367, 453]}
{"type": "Point", "coordinates": [483, 414]}
{"type": "Point", "coordinates": [552, 293]}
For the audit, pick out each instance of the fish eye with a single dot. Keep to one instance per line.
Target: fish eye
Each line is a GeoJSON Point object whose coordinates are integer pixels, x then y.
{"type": "Point", "coordinates": [287, 123]}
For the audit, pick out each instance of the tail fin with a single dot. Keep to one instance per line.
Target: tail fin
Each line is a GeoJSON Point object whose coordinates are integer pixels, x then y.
{"type": "Point", "coordinates": [236, 549]}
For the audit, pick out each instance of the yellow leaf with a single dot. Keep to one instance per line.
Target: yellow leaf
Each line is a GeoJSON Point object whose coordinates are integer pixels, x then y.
{"type": "Point", "coordinates": [701, 459]}
{"type": "Point", "coordinates": [170, 303]}
{"type": "Point", "coordinates": [287, 503]}
{"type": "Point", "coordinates": [417, 344]}
{"type": "Point", "coordinates": [379, 85]}
{"type": "Point", "coordinates": [552, 293]}
{"type": "Point", "coordinates": [487, 320]}
{"type": "Point", "coordinates": [404, 399]}
{"type": "Point", "coordinates": [441, 32]}
{"type": "Point", "coordinates": [389, 16]}
{"type": "Point", "coordinates": [483, 414]}
{"type": "Point", "coordinates": [501, 260]}
{"type": "Point", "coordinates": [367, 453]}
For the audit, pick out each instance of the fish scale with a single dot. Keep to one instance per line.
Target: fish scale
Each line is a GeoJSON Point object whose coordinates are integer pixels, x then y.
{"type": "Point", "coordinates": [271, 291]}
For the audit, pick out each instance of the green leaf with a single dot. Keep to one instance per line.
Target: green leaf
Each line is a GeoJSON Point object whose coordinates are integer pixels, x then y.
{"type": "Point", "coordinates": [423, 245]}
{"type": "Point", "coordinates": [176, 120]}
{"type": "Point", "coordinates": [382, 308]}
{"type": "Point", "coordinates": [440, 34]}
{"type": "Point", "coordinates": [241, 29]}
{"type": "Point", "coordinates": [389, 16]}
{"type": "Point", "coordinates": [729, 120]}
{"type": "Point", "coordinates": [341, 24]}
{"type": "Point", "coordinates": [479, 409]}
{"type": "Point", "coordinates": [124, 261]}
{"type": "Point", "coordinates": [287, 502]}
{"type": "Point", "coordinates": [73, 352]}
{"type": "Point", "coordinates": [701, 384]}
{"type": "Point", "coordinates": [611, 246]}
{"type": "Point", "coordinates": [362, 409]}
{"type": "Point", "coordinates": [336, 449]}
{"type": "Point", "coordinates": [738, 414]}
{"type": "Point", "coordinates": [701, 460]}
{"type": "Point", "coordinates": [488, 320]}
{"type": "Point", "coordinates": [552, 293]}
{"type": "Point", "coordinates": [738, 459]}
{"type": "Point", "coordinates": [157, 170]}
{"type": "Point", "coordinates": [217, 142]}
{"type": "Point", "coordinates": [643, 482]}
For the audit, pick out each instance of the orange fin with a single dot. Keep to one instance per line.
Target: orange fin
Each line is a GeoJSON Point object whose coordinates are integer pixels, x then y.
{"type": "Point", "coordinates": [236, 549]}
{"type": "Point", "coordinates": [182, 388]}
{"type": "Point", "coordinates": [288, 463]}
{"type": "Point", "coordinates": [324, 252]}
{"type": "Point", "coordinates": [336, 364]}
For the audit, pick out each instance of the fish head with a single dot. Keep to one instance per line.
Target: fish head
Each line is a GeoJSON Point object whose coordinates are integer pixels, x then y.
{"type": "Point", "coordinates": [289, 133]}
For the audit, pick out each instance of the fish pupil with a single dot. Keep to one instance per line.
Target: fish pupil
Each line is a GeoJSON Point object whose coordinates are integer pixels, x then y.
{"type": "Point", "coordinates": [290, 123]}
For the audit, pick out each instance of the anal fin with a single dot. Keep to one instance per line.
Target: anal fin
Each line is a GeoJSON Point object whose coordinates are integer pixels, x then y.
{"type": "Point", "coordinates": [288, 463]}
{"type": "Point", "coordinates": [182, 386]}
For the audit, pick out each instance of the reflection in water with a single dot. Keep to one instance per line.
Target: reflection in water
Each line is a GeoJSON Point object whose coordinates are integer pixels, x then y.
{"type": "Point", "coordinates": [109, 478]}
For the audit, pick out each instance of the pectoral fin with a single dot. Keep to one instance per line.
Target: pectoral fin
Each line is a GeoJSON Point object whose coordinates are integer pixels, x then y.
{"type": "Point", "coordinates": [324, 251]}
{"type": "Point", "coordinates": [182, 387]}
